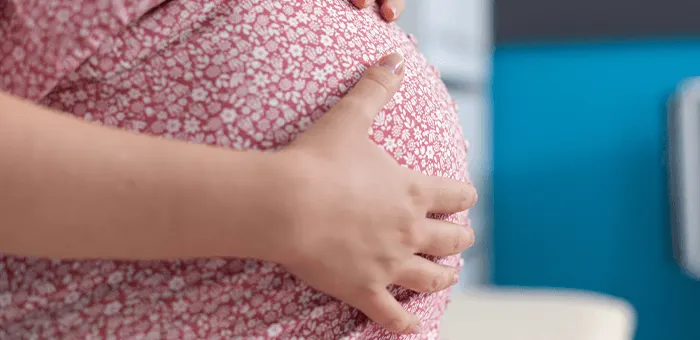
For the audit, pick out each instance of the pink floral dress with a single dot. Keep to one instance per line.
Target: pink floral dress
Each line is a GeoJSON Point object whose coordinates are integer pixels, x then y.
{"type": "Point", "coordinates": [240, 74]}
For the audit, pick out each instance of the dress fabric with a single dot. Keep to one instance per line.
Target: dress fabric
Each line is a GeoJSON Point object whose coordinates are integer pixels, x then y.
{"type": "Point", "coordinates": [239, 74]}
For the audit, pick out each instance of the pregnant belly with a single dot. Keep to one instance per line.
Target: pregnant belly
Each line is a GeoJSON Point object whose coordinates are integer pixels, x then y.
{"type": "Point", "coordinates": [243, 75]}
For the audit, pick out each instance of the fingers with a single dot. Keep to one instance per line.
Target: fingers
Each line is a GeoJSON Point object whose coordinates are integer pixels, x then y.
{"type": "Point", "coordinates": [362, 3]}
{"type": "Point", "coordinates": [381, 307]}
{"type": "Point", "coordinates": [376, 88]}
{"type": "Point", "coordinates": [440, 238]}
{"type": "Point", "coordinates": [391, 9]}
{"type": "Point", "coordinates": [443, 195]}
{"type": "Point", "coordinates": [424, 276]}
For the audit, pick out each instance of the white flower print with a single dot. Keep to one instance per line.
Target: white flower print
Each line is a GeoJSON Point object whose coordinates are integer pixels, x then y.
{"type": "Point", "coordinates": [326, 40]}
{"type": "Point", "coordinates": [274, 330]}
{"type": "Point", "coordinates": [115, 278]}
{"type": "Point", "coordinates": [318, 75]}
{"type": "Point", "coordinates": [305, 123]}
{"type": "Point", "coordinates": [249, 75]}
{"type": "Point", "coordinates": [296, 50]}
{"type": "Point", "coordinates": [176, 283]}
{"type": "Point", "coordinates": [398, 98]}
{"type": "Point", "coordinates": [302, 17]}
{"type": "Point", "coordinates": [191, 125]}
{"type": "Point", "coordinates": [430, 152]}
{"type": "Point", "coordinates": [113, 308]}
{"type": "Point", "coordinates": [228, 115]}
{"type": "Point", "coordinates": [260, 52]}
{"type": "Point", "coordinates": [316, 313]}
{"type": "Point", "coordinates": [67, 98]}
{"type": "Point", "coordinates": [5, 299]}
{"type": "Point", "coordinates": [180, 306]}
{"type": "Point", "coordinates": [261, 79]}
{"type": "Point", "coordinates": [174, 125]}
{"type": "Point", "coordinates": [18, 53]}
{"type": "Point", "coordinates": [81, 95]}
{"type": "Point", "coordinates": [45, 288]}
{"type": "Point", "coordinates": [199, 94]}
{"type": "Point", "coordinates": [134, 93]}
{"type": "Point", "coordinates": [389, 144]}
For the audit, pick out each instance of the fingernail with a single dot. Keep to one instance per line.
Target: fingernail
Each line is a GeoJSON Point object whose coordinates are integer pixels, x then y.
{"type": "Point", "coordinates": [360, 3]}
{"type": "Point", "coordinates": [389, 12]}
{"type": "Point", "coordinates": [472, 239]}
{"type": "Point", "coordinates": [392, 62]}
{"type": "Point", "coordinates": [455, 279]}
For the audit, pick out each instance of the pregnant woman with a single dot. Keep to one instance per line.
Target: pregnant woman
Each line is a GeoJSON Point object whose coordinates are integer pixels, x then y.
{"type": "Point", "coordinates": [173, 227]}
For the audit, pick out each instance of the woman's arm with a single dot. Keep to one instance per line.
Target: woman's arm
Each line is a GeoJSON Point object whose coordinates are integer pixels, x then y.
{"type": "Point", "coordinates": [70, 189]}
{"type": "Point", "coordinates": [333, 208]}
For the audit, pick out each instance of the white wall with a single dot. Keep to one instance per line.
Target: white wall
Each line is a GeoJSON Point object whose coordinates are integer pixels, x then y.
{"type": "Point", "coordinates": [455, 35]}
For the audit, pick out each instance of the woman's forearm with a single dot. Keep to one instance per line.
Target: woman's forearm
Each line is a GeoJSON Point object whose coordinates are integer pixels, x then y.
{"type": "Point", "coordinates": [70, 189]}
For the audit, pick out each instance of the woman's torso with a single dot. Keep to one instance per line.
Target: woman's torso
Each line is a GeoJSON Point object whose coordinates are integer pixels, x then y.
{"type": "Point", "coordinates": [248, 74]}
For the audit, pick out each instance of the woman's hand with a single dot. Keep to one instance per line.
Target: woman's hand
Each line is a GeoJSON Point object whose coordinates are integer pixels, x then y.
{"type": "Point", "coordinates": [358, 219]}
{"type": "Point", "coordinates": [389, 9]}
{"type": "Point", "coordinates": [333, 208]}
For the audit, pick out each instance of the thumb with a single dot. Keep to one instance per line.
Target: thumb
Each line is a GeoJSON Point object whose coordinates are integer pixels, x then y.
{"type": "Point", "coordinates": [374, 90]}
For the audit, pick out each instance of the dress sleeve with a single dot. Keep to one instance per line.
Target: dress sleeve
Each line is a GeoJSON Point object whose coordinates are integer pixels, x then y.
{"type": "Point", "coordinates": [42, 41]}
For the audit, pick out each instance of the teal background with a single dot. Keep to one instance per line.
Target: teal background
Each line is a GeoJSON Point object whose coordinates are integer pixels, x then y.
{"type": "Point", "coordinates": [580, 193]}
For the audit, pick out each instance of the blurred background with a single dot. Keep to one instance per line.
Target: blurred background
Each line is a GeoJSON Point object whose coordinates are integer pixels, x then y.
{"type": "Point", "coordinates": [565, 105]}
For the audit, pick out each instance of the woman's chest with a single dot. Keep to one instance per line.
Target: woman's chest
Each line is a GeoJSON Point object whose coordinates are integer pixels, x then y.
{"type": "Point", "coordinates": [254, 74]}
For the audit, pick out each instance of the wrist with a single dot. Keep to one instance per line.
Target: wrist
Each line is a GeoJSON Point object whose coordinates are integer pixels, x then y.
{"type": "Point", "coordinates": [239, 206]}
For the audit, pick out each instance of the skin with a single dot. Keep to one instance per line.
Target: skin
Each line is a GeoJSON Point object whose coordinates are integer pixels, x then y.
{"type": "Point", "coordinates": [391, 193]}
{"type": "Point", "coordinates": [389, 9]}
{"type": "Point", "coordinates": [75, 190]}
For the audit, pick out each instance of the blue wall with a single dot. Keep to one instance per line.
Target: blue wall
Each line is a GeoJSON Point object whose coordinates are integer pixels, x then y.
{"type": "Point", "coordinates": [580, 194]}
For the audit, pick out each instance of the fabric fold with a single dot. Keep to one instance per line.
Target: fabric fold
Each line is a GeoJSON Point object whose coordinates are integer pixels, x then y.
{"type": "Point", "coordinates": [42, 41]}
